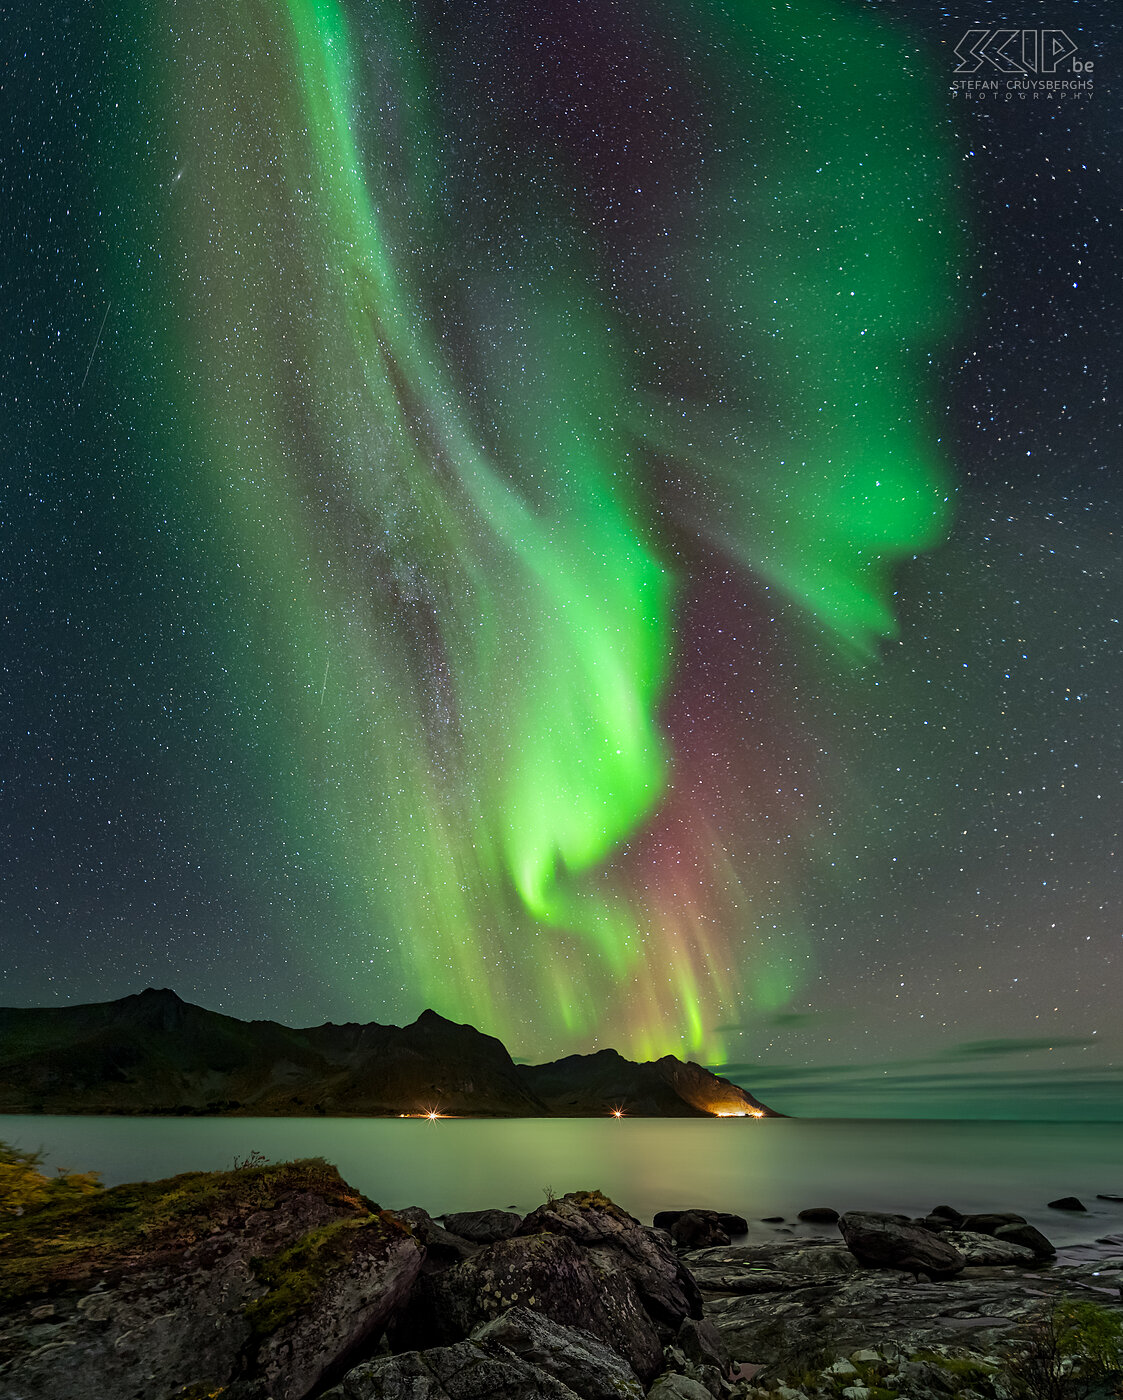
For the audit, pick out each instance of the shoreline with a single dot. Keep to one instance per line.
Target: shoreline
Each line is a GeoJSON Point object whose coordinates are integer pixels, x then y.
{"type": "Point", "coordinates": [758, 1169]}
{"type": "Point", "coordinates": [280, 1281]}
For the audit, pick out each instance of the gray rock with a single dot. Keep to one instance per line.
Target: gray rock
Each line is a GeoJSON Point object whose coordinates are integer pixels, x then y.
{"type": "Point", "coordinates": [547, 1272]}
{"type": "Point", "coordinates": [768, 1267]}
{"type": "Point", "coordinates": [731, 1224]}
{"type": "Point", "coordinates": [819, 1214]}
{"type": "Point", "coordinates": [989, 1223]}
{"type": "Point", "coordinates": [695, 1230]}
{"type": "Point", "coordinates": [573, 1356]}
{"type": "Point", "coordinates": [346, 1312]}
{"type": "Point", "coordinates": [700, 1342]}
{"type": "Point", "coordinates": [926, 1378]}
{"type": "Point", "coordinates": [1028, 1236]}
{"type": "Point", "coordinates": [483, 1226]}
{"type": "Point", "coordinates": [464, 1371]}
{"type": "Point", "coordinates": [676, 1387]}
{"type": "Point", "coordinates": [982, 1250]}
{"type": "Point", "coordinates": [1067, 1203]}
{"type": "Point", "coordinates": [442, 1247]}
{"type": "Point", "coordinates": [884, 1241]}
{"type": "Point", "coordinates": [201, 1318]}
{"type": "Point", "coordinates": [618, 1244]}
{"type": "Point", "coordinates": [804, 1312]}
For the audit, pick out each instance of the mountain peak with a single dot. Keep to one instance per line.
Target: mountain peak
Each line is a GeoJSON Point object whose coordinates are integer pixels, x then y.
{"type": "Point", "coordinates": [429, 1017]}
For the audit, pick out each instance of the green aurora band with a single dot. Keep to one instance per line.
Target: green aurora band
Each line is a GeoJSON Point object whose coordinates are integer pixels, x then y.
{"type": "Point", "coordinates": [435, 481]}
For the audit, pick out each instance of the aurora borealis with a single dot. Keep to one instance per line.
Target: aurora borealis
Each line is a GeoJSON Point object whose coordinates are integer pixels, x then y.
{"type": "Point", "coordinates": [516, 548]}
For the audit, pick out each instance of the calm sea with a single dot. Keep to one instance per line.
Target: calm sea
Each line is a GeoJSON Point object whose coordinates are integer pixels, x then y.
{"type": "Point", "coordinates": [756, 1168]}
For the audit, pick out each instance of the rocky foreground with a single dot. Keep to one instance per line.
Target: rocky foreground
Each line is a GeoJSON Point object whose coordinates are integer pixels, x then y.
{"type": "Point", "coordinates": [281, 1283]}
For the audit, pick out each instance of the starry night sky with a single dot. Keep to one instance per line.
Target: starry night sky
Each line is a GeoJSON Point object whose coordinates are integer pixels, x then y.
{"type": "Point", "coordinates": [600, 518]}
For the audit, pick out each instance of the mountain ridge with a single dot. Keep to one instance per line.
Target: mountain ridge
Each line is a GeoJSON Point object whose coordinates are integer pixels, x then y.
{"type": "Point", "coordinates": [153, 1053]}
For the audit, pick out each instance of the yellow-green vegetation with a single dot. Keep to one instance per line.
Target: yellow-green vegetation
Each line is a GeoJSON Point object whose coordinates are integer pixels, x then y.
{"type": "Point", "coordinates": [811, 1373]}
{"type": "Point", "coordinates": [965, 1369]}
{"type": "Point", "coordinates": [294, 1276]}
{"type": "Point", "coordinates": [74, 1236]}
{"type": "Point", "coordinates": [24, 1188]}
{"type": "Point", "coordinates": [1074, 1349]}
{"type": "Point", "coordinates": [595, 1200]}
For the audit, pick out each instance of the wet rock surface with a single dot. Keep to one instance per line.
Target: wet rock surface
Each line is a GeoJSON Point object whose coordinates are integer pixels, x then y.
{"type": "Point", "coordinates": [284, 1284]}
{"type": "Point", "coordinates": [779, 1303]}
{"type": "Point", "coordinates": [888, 1241]}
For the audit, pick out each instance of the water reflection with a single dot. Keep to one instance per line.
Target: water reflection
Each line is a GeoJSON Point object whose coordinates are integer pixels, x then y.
{"type": "Point", "coordinates": [754, 1167]}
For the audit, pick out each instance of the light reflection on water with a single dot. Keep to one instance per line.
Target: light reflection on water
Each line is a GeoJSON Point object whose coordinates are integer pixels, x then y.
{"type": "Point", "coordinates": [756, 1168]}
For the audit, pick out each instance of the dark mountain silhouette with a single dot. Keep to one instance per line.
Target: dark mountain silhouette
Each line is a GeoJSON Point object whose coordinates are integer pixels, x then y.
{"type": "Point", "coordinates": [594, 1084]}
{"type": "Point", "coordinates": [154, 1053]}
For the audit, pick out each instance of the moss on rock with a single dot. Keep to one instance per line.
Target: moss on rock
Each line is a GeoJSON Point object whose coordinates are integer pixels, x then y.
{"type": "Point", "coordinates": [294, 1276]}
{"type": "Point", "coordinates": [139, 1224]}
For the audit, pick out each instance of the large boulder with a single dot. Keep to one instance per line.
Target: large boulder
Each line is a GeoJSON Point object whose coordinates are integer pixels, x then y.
{"type": "Point", "coordinates": [890, 1242]}
{"type": "Point", "coordinates": [331, 1296]}
{"type": "Point", "coordinates": [1067, 1203]}
{"type": "Point", "coordinates": [980, 1249]}
{"type": "Point", "coordinates": [990, 1222]}
{"type": "Point", "coordinates": [464, 1371]}
{"type": "Point", "coordinates": [279, 1274]}
{"type": "Point", "coordinates": [581, 1261]}
{"type": "Point", "coordinates": [700, 1342]}
{"type": "Point", "coordinates": [483, 1226]}
{"type": "Point", "coordinates": [442, 1247]}
{"type": "Point", "coordinates": [549, 1273]}
{"type": "Point", "coordinates": [1028, 1236]}
{"type": "Point", "coordinates": [697, 1230]}
{"type": "Point", "coordinates": [619, 1244]}
{"type": "Point", "coordinates": [675, 1387]}
{"type": "Point", "coordinates": [731, 1224]}
{"type": "Point", "coordinates": [571, 1355]}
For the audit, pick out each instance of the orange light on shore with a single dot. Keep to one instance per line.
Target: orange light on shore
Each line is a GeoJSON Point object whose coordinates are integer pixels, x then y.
{"type": "Point", "coordinates": [617, 1113]}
